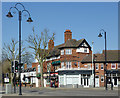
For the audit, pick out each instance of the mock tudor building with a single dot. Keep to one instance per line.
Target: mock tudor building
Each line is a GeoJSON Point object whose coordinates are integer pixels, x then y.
{"type": "Point", "coordinates": [65, 60]}
{"type": "Point", "coordinates": [70, 65]}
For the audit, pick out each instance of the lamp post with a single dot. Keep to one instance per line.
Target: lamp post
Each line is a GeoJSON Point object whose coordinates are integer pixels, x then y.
{"type": "Point", "coordinates": [29, 20]}
{"type": "Point", "coordinates": [92, 65]}
{"type": "Point", "coordinates": [105, 67]}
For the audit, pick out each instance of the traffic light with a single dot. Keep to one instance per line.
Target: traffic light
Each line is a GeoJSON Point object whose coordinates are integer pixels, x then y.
{"type": "Point", "coordinates": [16, 66]}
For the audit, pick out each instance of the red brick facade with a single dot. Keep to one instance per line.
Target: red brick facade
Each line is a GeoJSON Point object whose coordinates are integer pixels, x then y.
{"type": "Point", "coordinates": [67, 35]}
{"type": "Point", "coordinates": [75, 57]}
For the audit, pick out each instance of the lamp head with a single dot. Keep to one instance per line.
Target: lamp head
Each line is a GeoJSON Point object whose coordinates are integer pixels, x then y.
{"type": "Point", "coordinates": [100, 35]}
{"type": "Point", "coordinates": [29, 20]}
{"type": "Point", "coordinates": [9, 15]}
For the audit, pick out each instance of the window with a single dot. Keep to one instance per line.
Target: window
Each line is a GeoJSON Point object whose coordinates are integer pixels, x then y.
{"type": "Point", "coordinates": [102, 67]}
{"type": "Point", "coordinates": [62, 64]}
{"type": "Point", "coordinates": [62, 52]}
{"type": "Point", "coordinates": [78, 64]}
{"type": "Point", "coordinates": [38, 68]}
{"type": "Point", "coordinates": [68, 65]}
{"type": "Point", "coordinates": [113, 66]}
{"type": "Point", "coordinates": [102, 78]}
{"type": "Point", "coordinates": [85, 65]}
{"type": "Point", "coordinates": [89, 66]}
{"type": "Point", "coordinates": [85, 50]}
{"type": "Point", "coordinates": [68, 51]}
{"type": "Point", "coordinates": [118, 65]}
{"type": "Point", "coordinates": [97, 66]}
{"type": "Point", "coordinates": [48, 67]}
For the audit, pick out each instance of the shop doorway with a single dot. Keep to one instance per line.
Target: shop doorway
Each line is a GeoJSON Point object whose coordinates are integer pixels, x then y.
{"type": "Point", "coordinates": [97, 81]}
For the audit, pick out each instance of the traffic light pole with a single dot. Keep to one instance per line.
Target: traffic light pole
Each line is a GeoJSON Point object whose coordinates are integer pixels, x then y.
{"type": "Point", "coordinates": [14, 83]}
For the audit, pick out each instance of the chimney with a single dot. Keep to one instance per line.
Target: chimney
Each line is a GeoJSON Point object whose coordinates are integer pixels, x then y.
{"type": "Point", "coordinates": [25, 66]}
{"type": "Point", "coordinates": [50, 44]}
{"type": "Point", "coordinates": [67, 35]}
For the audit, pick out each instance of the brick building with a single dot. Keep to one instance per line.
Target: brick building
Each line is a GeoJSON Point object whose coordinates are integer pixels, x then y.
{"type": "Point", "coordinates": [69, 64]}
{"type": "Point", "coordinates": [101, 71]}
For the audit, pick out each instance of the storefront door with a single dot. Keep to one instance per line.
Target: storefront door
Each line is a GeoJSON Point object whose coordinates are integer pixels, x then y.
{"type": "Point", "coordinates": [86, 82]}
{"type": "Point", "coordinates": [97, 82]}
{"type": "Point", "coordinates": [115, 82]}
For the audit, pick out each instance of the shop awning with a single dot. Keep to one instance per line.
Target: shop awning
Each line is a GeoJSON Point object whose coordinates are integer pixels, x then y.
{"type": "Point", "coordinates": [38, 75]}
{"type": "Point", "coordinates": [56, 62]}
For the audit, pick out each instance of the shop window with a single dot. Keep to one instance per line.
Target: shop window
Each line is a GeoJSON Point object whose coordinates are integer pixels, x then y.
{"type": "Point", "coordinates": [113, 66]}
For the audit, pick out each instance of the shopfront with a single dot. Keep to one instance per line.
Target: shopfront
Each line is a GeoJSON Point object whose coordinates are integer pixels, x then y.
{"type": "Point", "coordinates": [112, 76]}
{"type": "Point", "coordinates": [75, 78]}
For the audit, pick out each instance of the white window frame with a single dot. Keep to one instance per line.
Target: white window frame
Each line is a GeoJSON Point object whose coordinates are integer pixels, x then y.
{"type": "Point", "coordinates": [38, 68]}
{"type": "Point", "coordinates": [68, 51]}
{"type": "Point", "coordinates": [62, 52]}
{"type": "Point", "coordinates": [62, 64]}
{"type": "Point", "coordinates": [101, 78]}
{"type": "Point", "coordinates": [113, 64]}
{"type": "Point", "coordinates": [85, 50]}
{"type": "Point", "coordinates": [101, 66]}
{"type": "Point", "coordinates": [68, 65]}
{"type": "Point", "coordinates": [48, 65]}
{"type": "Point", "coordinates": [97, 65]}
{"type": "Point", "coordinates": [117, 65]}
{"type": "Point", "coordinates": [89, 66]}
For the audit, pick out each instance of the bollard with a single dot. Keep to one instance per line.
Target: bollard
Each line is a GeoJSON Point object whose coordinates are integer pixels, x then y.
{"type": "Point", "coordinates": [8, 89]}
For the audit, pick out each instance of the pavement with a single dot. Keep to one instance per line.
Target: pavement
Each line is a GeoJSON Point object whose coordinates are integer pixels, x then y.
{"type": "Point", "coordinates": [63, 92]}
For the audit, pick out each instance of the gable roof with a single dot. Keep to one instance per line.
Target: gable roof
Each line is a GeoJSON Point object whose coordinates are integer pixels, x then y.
{"type": "Point", "coordinates": [71, 43]}
{"type": "Point", "coordinates": [55, 51]}
{"type": "Point", "coordinates": [112, 56]}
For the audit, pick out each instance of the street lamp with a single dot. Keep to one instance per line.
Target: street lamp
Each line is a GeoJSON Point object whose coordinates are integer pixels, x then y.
{"type": "Point", "coordinates": [92, 65]}
{"type": "Point", "coordinates": [29, 20]}
{"type": "Point", "coordinates": [105, 69]}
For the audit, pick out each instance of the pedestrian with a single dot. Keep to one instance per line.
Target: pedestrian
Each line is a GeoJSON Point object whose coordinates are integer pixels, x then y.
{"type": "Point", "coordinates": [111, 85]}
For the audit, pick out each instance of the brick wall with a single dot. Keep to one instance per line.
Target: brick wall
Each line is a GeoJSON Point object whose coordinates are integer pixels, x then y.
{"type": "Point", "coordinates": [67, 35]}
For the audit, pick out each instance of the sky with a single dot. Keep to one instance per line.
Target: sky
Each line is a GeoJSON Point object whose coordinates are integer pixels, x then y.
{"type": "Point", "coordinates": [84, 19]}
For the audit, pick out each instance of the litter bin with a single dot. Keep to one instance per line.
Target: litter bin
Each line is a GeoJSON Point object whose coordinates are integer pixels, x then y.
{"type": "Point", "coordinates": [8, 89]}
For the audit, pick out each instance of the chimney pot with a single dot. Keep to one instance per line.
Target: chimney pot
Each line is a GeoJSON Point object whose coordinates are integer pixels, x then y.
{"type": "Point", "coordinates": [67, 35]}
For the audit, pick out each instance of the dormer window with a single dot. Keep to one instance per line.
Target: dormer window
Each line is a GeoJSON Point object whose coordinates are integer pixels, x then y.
{"type": "Point", "coordinates": [68, 51]}
{"type": "Point", "coordinates": [62, 52]}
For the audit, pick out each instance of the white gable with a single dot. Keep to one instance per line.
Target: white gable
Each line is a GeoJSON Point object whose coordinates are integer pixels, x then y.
{"type": "Point", "coordinates": [84, 44]}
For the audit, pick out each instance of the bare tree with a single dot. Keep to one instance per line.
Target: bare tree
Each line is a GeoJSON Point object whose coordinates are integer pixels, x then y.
{"type": "Point", "coordinates": [10, 53]}
{"type": "Point", "coordinates": [39, 45]}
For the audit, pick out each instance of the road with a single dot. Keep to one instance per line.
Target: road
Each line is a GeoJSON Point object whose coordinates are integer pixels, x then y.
{"type": "Point", "coordinates": [64, 92]}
